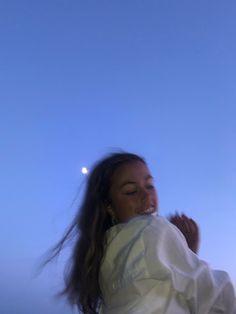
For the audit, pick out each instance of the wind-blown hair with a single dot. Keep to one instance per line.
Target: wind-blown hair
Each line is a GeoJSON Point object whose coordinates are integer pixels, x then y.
{"type": "Point", "coordinates": [88, 229]}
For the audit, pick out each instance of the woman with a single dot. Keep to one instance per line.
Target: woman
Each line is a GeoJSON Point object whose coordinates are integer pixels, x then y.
{"type": "Point", "coordinates": [127, 259]}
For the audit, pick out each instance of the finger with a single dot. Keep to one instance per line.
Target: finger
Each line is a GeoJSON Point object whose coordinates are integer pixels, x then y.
{"type": "Point", "coordinates": [175, 219]}
{"type": "Point", "coordinates": [186, 223]}
{"type": "Point", "coordinates": [174, 215]}
{"type": "Point", "coordinates": [194, 226]}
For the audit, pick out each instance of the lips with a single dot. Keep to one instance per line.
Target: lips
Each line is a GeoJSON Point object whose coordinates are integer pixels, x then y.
{"type": "Point", "coordinates": [149, 210]}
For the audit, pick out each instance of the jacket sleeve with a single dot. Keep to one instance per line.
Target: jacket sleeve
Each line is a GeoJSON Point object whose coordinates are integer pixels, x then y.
{"type": "Point", "coordinates": [193, 283]}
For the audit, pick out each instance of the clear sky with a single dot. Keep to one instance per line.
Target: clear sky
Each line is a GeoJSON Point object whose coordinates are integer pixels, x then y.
{"type": "Point", "coordinates": [80, 79]}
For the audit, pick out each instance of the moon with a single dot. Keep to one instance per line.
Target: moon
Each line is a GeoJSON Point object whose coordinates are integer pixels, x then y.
{"type": "Point", "coordinates": [84, 170]}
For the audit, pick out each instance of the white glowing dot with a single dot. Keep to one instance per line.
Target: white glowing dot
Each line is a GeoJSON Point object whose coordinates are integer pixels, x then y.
{"type": "Point", "coordinates": [84, 170]}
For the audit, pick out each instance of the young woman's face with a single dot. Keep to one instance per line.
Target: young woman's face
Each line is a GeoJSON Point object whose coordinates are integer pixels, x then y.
{"type": "Point", "coordinates": [132, 191]}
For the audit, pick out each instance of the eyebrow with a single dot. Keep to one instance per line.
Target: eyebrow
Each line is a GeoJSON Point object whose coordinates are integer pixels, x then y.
{"type": "Point", "coordinates": [134, 182]}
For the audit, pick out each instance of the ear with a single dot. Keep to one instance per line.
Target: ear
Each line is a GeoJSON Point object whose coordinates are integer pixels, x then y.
{"type": "Point", "coordinates": [110, 210]}
{"type": "Point", "coordinates": [112, 214]}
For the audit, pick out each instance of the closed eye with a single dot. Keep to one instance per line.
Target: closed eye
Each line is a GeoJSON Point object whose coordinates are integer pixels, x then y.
{"type": "Point", "coordinates": [150, 187]}
{"type": "Point", "coordinates": [130, 193]}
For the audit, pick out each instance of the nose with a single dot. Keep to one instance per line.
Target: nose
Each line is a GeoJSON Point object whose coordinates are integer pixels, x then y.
{"type": "Point", "coordinates": [145, 194]}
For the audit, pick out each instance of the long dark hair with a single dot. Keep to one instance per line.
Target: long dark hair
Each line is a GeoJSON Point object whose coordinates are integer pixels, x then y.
{"type": "Point", "coordinates": [88, 230]}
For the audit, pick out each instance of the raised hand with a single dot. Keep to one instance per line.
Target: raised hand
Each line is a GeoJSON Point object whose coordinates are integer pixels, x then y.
{"type": "Point", "coordinates": [189, 228]}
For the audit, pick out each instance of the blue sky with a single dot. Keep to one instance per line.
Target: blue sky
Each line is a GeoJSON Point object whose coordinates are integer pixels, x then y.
{"type": "Point", "coordinates": [80, 79]}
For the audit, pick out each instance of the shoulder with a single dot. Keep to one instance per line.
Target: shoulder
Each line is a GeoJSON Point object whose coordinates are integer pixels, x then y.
{"type": "Point", "coordinates": [160, 234]}
{"type": "Point", "coordinates": [138, 225]}
{"type": "Point", "coordinates": [145, 227]}
{"type": "Point", "coordinates": [161, 226]}
{"type": "Point", "coordinates": [156, 227]}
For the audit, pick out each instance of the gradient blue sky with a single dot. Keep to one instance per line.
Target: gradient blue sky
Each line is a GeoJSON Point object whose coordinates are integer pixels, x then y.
{"type": "Point", "coordinates": [82, 78]}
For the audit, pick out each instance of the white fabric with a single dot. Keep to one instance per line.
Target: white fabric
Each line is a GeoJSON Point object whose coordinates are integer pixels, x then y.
{"type": "Point", "coordinates": [148, 268]}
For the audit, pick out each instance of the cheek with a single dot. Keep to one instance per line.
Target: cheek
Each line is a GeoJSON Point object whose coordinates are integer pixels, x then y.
{"type": "Point", "coordinates": [126, 211]}
{"type": "Point", "coordinates": [125, 203]}
{"type": "Point", "coordinates": [124, 207]}
{"type": "Point", "coordinates": [153, 196]}
{"type": "Point", "coordinates": [118, 202]}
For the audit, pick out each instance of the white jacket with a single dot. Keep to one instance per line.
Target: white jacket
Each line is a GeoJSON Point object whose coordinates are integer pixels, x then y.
{"type": "Point", "coordinates": [148, 268]}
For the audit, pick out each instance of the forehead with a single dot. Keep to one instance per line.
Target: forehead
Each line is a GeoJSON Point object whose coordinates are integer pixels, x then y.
{"type": "Point", "coordinates": [132, 171]}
